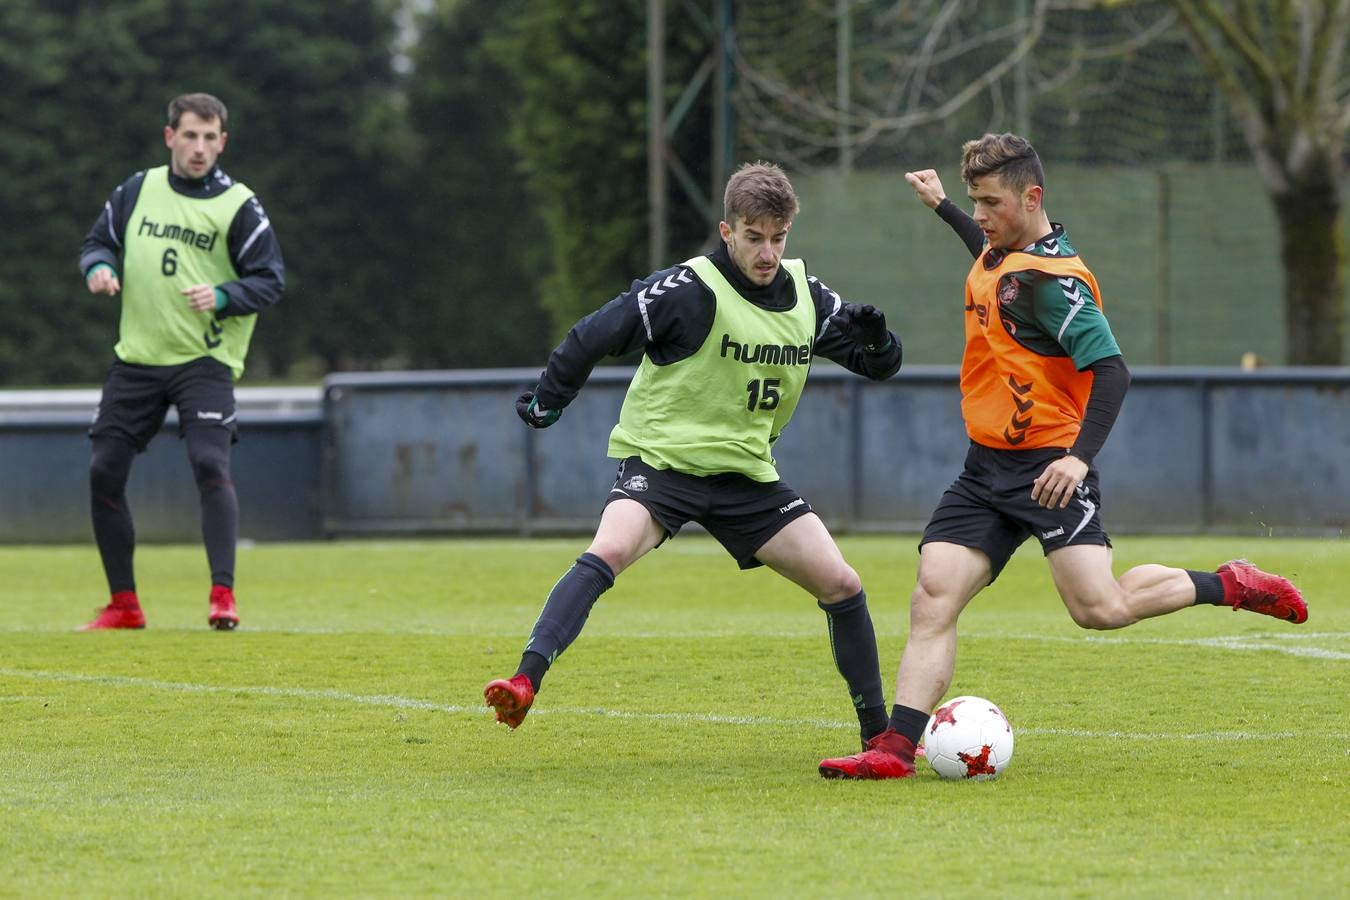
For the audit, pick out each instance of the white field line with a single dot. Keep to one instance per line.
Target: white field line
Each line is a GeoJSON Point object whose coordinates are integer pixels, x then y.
{"type": "Point", "coordinates": [266, 691]}
{"type": "Point", "coordinates": [1290, 643]}
{"type": "Point", "coordinates": [395, 702]}
{"type": "Point", "coordinates": [1277, 643]}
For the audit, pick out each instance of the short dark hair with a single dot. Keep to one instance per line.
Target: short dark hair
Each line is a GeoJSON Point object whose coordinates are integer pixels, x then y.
{"type": "Point", "coordinates": [1008, 156]}
{"type": "Point", "coordinates": [757, 190]}
{"type": "Point", "coordinates": [204, 106]}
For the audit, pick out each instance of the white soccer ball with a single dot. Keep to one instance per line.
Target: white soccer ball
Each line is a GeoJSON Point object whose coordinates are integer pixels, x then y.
{"type": "Point", "coordinates": [968, 737]}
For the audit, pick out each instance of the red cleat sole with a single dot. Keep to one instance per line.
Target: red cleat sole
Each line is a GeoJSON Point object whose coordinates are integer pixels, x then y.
{"type": "Point", "coordinates": [510, 698]}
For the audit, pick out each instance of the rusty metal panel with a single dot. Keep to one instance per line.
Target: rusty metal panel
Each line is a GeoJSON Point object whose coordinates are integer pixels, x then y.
{"type": "Point", "coordinates": [423, 452]}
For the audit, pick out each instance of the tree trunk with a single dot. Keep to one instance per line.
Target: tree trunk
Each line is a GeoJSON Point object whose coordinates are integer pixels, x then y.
{"type": "Point", "coordinates": [1311, 250]}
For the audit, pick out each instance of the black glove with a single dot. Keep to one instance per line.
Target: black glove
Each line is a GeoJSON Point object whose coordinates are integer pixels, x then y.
{"type": "Point", "coordinates": [534, 415]}
{"type": "Point", "coordinates": [864, 325]}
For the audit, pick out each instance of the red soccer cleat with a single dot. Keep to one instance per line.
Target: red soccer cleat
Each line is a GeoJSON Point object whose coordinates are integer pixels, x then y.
{"type": "Point", "coordinates": [124, 611]}
{"type": "Point", "coordinates": [511, 699]}
{"type": "Point", "coordinates": [222, 616]}
{"type": "Point", "coordinates": [1247, 587]}
{"type": "Point", "coordinates": [888, 755]}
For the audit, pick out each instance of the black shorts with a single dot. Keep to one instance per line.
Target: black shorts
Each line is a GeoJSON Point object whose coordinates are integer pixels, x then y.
{"type": "Point", "coordinates": [989, 507]}
{"type": "Point", "coordinates": [740, 512]}
{"type": "Point", "coordinates": [137, 398]}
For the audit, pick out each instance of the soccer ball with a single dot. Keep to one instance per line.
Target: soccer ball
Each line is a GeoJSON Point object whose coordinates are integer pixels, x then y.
{"type": "Point", "coordinates": [968, 737]}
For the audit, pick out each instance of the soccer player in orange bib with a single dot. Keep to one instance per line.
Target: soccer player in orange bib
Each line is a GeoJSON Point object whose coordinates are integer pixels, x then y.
{"type": "Point", "coordinates": [1042, 381]}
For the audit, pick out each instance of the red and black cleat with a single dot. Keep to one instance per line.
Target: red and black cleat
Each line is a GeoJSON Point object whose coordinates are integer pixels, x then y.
{"type": "Point", "coordinates": [124, 611]}
{"type": "Point", "coordinates": [223, 616]}
{"type": "Point", "coordinates": [1247, 587]}
{"type": "Point", "coordinates": [511, 698]}
{"type": "Point", "coordinates": [888, 755]}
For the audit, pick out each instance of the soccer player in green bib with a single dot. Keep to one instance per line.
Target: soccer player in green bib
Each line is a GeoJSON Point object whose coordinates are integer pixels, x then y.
{"type": "Point", "coordinates": [194, 259]}
{"type": "Point", "coordinates": [727, 340]}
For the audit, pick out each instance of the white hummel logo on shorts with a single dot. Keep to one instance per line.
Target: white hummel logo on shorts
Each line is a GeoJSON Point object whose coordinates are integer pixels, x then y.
{"type": "Point", "coordinates": [210, 415]}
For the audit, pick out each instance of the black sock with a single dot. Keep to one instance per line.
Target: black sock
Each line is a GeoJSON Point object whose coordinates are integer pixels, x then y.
{"type": "Point", "coordinates": [109, 465]}
{"type": "Point", "coordinates": [909, 722]}
{"type": "Point", "coordinates": [872, 721]}
{"type": "Point", "coordinates": [853, 642]}
{"type": "Point", "coordinates": [209, 454]}
{"type": "Point", "coordinates": [565, 612]}
{"type": "Point", "coordinates": [533, 666]}
{"type": "Point", "coordinates": [1208, 587]}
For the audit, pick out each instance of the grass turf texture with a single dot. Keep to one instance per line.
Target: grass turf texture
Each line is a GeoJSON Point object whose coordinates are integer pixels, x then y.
{"type": "Point", "coordinates": [336, 743]}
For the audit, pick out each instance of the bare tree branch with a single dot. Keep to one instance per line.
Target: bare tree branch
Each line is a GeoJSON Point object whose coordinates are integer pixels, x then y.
{"type": "Point", "coordinates": [1246, 50]}
{"type": "Point", "coordinates": [1100, 68]}
{"type": "Point", "coordinates": [1333, 43]}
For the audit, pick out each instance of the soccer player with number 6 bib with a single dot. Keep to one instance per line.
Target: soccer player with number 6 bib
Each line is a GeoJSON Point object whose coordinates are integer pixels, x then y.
{"type": "Point", "coordinates": [193, 258]}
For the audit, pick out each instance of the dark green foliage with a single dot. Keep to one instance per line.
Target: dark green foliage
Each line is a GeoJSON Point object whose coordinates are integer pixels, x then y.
{"type": "Point", "coordinates": [480, 246]}
{"type": "Point", "coordinates": [580, 131]}
{"type": "Point", "coordinates": [387, 256]}
{"type": "Point", "coordinates": [86, 89]}
{"type": "Point", "coordinates": [465, 209]}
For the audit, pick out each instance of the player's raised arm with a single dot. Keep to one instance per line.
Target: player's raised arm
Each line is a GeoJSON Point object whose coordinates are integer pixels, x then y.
{"type": "Point", "coordinates": [928, 188]}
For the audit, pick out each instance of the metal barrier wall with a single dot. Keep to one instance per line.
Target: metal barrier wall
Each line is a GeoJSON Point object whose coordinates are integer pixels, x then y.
{"type": "Point", "coordinates": [44, 469]}
{"type": "Point", "coordinates": [1195, 450]}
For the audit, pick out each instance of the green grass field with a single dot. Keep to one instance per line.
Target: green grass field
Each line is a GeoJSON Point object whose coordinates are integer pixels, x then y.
{"type": "Point", "coordinates": [336, 744]}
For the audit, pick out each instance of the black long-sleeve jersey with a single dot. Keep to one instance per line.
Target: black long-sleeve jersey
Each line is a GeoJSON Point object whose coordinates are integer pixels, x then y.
{"type": "Point", "coordinates": [254, 250]}
{"type": "Point", "coordinates": [669, 315]}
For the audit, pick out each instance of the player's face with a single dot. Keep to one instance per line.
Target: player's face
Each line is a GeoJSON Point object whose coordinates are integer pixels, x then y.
{"type": "Point", "coordinates": [194, 145]}
{"type": "Point", "coordinates": [756, 247]}
{"type": "Point", "coordinates": [1005, 215]}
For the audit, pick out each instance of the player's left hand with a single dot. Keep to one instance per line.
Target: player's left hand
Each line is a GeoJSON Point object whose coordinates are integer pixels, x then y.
{"type": "Point", "coordinates": [533, 414]}
{"type": "Point", "coordinates": [200, 297]}
{"type": "Point", "coordinates": [864, 324]}
{"type": "Point", "coordinates": [1056, 485]}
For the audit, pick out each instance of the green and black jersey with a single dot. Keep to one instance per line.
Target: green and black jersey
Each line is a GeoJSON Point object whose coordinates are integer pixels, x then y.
{"type": "Point", "coordinates": [1034, 325]}
{"type": "Point", "coordinates": [161, 234]}
{"type": "Point", "coordinates": [724, 362]}
{"type": "Point", "coordinates": [1041, 367]}
{"type": "Point", "coordinates": [721, 408]}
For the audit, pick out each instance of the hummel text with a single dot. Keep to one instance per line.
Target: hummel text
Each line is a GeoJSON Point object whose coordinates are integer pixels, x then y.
{"type": "Point", "coordinates": [192, 238]}
{"type": "Point", "coordinates": [767, 354]}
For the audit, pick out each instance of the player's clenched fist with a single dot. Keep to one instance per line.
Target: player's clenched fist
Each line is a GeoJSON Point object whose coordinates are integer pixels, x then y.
{"type": "Point", "coordinates": [927, 186]}
{"type": "Point", "coordinates": [103, 280]}
{"type": "Point", "coordinates": [534, 415]}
